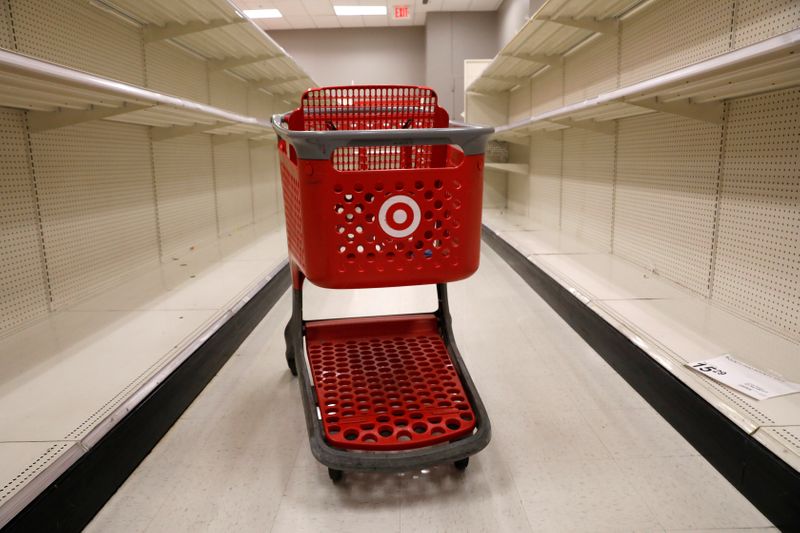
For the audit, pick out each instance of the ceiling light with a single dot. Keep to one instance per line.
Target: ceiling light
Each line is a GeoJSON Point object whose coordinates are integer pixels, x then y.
{"type": "Point", "coordinates": [349, 11]}
{"type": "Point", "coordinates": [262, 13]}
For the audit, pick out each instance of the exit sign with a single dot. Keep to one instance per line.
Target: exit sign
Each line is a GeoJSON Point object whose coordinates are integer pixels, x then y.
{"type": "Point", "coordinates": [401, 12]}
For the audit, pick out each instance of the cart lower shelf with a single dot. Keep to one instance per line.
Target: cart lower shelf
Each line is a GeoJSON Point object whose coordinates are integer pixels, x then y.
{"type": "Point", "coordinates": [386, 383]}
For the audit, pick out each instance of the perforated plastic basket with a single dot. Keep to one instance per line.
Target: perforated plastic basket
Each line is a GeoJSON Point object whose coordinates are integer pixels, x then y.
{"type": "Point", "coordinates": [378, 190]}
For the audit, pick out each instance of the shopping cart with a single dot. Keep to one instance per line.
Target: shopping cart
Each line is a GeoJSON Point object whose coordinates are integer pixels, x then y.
{"type": "Point", "coordinates": [380, 190]}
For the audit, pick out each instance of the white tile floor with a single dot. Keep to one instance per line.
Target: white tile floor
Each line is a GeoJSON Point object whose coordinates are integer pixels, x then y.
{"type": "Point", "coordinates": [574, 448]}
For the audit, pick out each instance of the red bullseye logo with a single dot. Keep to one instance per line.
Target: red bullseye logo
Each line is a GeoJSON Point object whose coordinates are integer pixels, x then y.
{"type": "Point", "coordinates": [399, 216]}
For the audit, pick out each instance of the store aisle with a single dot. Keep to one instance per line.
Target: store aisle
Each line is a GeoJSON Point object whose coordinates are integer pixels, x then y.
{"type": "Point", "coordinates": [574, 447]}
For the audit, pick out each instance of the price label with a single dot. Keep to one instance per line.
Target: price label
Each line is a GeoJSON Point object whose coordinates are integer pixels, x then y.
{"type": "Point", "coordinates": [744, 378]}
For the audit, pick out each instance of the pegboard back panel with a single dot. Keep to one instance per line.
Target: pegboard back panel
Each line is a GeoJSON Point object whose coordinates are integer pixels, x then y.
{"type": "Point", "coordinates": [6, 29]}
{"type": "Point", "coordinates": [518, 185]}
{"type": "Point", "coordinates": [260, 104]}
{"type": "Point", "coordinates": [76, 34]}
{"type": "Point", "coordinates": [227, 92]}
{"type": "Point", "coordinates": [547, 91]}
{"type": "Point", "coordinates": [23, 286]}
{"type": "Point", "coordinates": [668, 35]}
{"type": "Point", "coordinates": [587, 193]}
{"type": "Point", "coordinates": [234, 192]}
{"type": "Point", "coordinates": [519, 102]}
{"type": "Point", "coordinates": [545, 178]}
{"type": "Point", "coordinates": [591, 70]}
{"type": "Point", "coordinates": [184, 179]}
{"type": "Point", "coordinates": [757, 20]}
{"type": "Point", "coordinates": [96, 199]}
{"type": "Point", "coordinates": [173, 71]}
{"type": "Point", "coordinates": [263, 162]}
{"type": "Point", "coordinates": [757, 269]}
{"type": "Point", "coordinates": [667, 173]}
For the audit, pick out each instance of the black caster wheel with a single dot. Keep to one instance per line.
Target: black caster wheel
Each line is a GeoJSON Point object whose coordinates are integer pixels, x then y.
{"type": "Point", "coordinates": [291, 363]}
{"type": "Point", "coordinates": [335, 475]}
{"type": "Point", "coordinates": [462, 464]}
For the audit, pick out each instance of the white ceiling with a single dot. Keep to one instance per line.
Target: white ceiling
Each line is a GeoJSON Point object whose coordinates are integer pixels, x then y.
{"type": "Point", "coordinates": [299, 14]}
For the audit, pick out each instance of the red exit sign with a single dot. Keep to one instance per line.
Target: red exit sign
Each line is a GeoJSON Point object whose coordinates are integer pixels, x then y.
{"type": "Point", "coordinates": [401, 12]}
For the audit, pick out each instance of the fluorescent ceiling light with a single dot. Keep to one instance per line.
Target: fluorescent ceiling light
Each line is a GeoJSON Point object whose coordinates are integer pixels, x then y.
{"type": "Point", "coordinates": [262, 13]}
{"type": "Point", "coordinates": [350, 11]}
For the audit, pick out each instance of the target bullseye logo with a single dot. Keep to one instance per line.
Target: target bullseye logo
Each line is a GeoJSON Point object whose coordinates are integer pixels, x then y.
{"type": "Point", "coordinates": [399, 216]}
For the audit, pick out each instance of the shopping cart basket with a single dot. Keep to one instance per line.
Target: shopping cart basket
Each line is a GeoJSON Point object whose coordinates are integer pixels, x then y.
{"type": "Point", "coordinates": [380, 190]}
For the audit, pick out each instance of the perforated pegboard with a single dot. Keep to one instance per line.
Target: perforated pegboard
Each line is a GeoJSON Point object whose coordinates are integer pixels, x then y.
{"type": "Point", "coordinates": [757, 20]}
{"type": "Point", "coordinates": [591, 70]}
{"type": "Point", "coordinates": [184, 177]}
{"type": "Point", "coordinates": [78, 35]}
{"type": "Point", "coordinates": [547, 91]}
{"type": "Point", "coordinates": [23, 287]}
{"type": "Point", "coordinates": [667, 171]}
{"type": "Point", "coordinates": [757, 270]}
{"type": "Point", "coordinates": [6, 29]}
{"type": "Point", "coordinates": [173, 71]}
{"type": "Point", "coordinates": [545, 180]}
{"type": "Point", "coordinates": [260, 104]}
{"type": "Point", "coordinates": [519, 103]}
{"type": "Point", "coordinates": [227, 92]}
{"type": "Point", "coordinates": [587, 193]}
{"type": "Point", "coordinates": [97, 205]}
{"type": "Point", "coordinates": [234, 191]}
{"type": "Point", "coordinates": [668, 35]}
{"type": "Point", "coordinates": [263, 162]}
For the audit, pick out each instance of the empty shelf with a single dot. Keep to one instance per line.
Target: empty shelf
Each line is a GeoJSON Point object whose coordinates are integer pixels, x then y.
{"type": "Point", "coordinates": [671, 324]}
{"type": "Point", "coordinates": [69, 378]}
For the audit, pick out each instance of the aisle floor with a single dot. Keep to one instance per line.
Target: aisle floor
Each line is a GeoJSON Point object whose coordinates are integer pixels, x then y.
{"type": "Point", "coordinates": [574, 447]}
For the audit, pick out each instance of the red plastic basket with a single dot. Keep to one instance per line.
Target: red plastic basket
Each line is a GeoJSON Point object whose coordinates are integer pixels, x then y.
{"type": "Point", "coordinates": [379, 212]}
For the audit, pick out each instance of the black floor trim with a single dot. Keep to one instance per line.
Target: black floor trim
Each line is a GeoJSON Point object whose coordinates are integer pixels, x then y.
{"type": "Point", "coordinates": [77, 495]}
{"type": "Point", "coordinates": [768, 482]}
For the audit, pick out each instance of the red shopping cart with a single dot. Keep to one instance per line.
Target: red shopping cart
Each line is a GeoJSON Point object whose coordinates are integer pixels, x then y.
{"type": "Point", "coordinates": [380, 189]}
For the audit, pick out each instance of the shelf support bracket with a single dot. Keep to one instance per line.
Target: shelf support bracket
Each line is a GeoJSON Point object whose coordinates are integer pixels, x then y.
{"type": "Point", "coordinates": [217, 140]}
{"type": "Point", "coordinates": [233, 62]}
{"type": "Point", "coordinates": [553, 60]}
{"type": "Point", "coordinates": [607, 26]}
{"type": "Point", "coordinates": [606, 128]}
{"type": "Point", "coordinates": [162, 134]}
{"type": "Point", "coordinates": [267, 83]}
{"type": "Point", "coordinates": [152, 32]}
{"type": "Point", "coordinates": [49, 120]}
{"type": "Point", "coordinates": [706, 112]}
{"type": "Point", "coordinates": [261, 143]}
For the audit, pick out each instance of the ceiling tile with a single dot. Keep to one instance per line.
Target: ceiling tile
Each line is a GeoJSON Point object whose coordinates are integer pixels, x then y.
{"type": "Point", "coordinates": [326, 21]}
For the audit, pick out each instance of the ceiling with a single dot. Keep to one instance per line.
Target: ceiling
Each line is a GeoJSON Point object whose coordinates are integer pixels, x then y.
{"type": "Point", "coordinates": [298, 14]}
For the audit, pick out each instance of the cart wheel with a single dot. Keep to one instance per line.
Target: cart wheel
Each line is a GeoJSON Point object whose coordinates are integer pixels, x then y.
{"type": "Point", "coordinates": [335, 475]}
{"type": "Point", "coordinates": [462, 464]}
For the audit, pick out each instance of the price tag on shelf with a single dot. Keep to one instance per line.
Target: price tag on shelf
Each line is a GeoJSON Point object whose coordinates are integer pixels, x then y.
{"type": "Point", "coordinates": [744, 378]}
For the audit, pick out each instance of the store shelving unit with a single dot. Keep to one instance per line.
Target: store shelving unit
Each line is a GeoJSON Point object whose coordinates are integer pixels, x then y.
{"type": "Point", "coordinates": [57, 97]}
{"type": "Point", "coordinates": [695, 91]}
{"type": "Point", "coordinates": [555, 29]}
{"type": "Point", "coordinates": [660, 140]}
{"type": "Point", "coordinates": [218, 32]}
{"type": "Point", "coordinates": [140, 212]}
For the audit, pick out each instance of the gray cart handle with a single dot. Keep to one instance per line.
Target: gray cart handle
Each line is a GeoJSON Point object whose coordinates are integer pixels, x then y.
{"type": "Point", "coordinates": [321, 144]}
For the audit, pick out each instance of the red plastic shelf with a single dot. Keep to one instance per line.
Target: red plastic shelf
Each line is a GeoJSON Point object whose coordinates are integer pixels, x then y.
{"type": "Point", "coordinates": [386, 383]}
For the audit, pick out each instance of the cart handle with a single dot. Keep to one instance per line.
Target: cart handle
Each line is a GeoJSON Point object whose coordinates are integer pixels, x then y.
{"type": "Point", "coordinates": [319, 145]}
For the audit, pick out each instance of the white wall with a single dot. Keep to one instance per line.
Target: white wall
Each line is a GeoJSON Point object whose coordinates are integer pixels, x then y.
{"type": "Point", "coordinates": [343, 56]}
{"type": "Point", "coordinates": [450, 38]}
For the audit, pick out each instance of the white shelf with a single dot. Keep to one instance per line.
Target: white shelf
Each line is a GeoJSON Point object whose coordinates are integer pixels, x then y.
{"type": "Point", "coordinates": [695, 91]}
{"type": "Point", "coordinates": [671, 324]}
{"type": "Point", "coordinates": [555, 29]}
{"type": "Point", "coordinates": [59, 96]}
{"type": "Point", "coordinates": [514, 168]}
{"type": "Point", "coordinates": [87, 366]}
{"type": "Point", "coordinates": [218, 32]}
